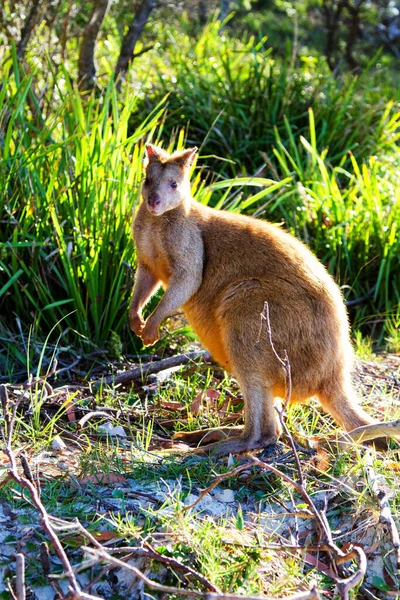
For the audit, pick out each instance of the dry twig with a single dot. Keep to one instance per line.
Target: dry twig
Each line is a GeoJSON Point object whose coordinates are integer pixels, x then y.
{"type": "Point", "coordinates": [51, 524]}
{"type": "Point", "coordinates": [102, 554]}
{"type": "Point", "coordinates": [20, 591]}
{"type": "Point", "coordinates": [218, 480]}
{"type": "Point", "coordinates": [339, 557]}
{"type": "Point", "coordinates": [153, 367]}
{"type": "Point", "coordinates": [385, 515]}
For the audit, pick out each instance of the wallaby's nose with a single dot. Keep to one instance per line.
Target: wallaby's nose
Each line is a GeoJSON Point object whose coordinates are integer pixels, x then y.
{"type": "Point", "coordinates": [153, 200]}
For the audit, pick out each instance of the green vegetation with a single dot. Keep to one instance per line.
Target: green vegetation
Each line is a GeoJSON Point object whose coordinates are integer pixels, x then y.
{"type": "Point", "coordinates": [319, 154]}
{"type": "Point", "coordinates": [69, 179]}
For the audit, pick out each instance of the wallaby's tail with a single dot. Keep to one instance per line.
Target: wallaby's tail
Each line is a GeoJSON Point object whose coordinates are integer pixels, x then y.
{"type": "Point", "coordinates": [342, 404]}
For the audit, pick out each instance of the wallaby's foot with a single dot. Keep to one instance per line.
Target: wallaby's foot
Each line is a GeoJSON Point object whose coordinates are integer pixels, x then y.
{"type": "Point", "coordinates": [233, 446]}
{"type": "Point", "coordinates": [207, 436]}
{"type": "Point", "coordinates": [272, 451]}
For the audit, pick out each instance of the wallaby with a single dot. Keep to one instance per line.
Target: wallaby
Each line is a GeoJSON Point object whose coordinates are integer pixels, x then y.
{"type": "Point", "coordinates": [221, 268]}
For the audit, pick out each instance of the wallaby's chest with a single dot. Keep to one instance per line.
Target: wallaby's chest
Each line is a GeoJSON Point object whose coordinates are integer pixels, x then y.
{"type": "Point", "coordinates": [151, 248]}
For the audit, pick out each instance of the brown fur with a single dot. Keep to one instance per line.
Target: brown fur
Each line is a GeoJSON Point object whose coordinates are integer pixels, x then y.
{"type": "Point", "coordinates": [222, 268]}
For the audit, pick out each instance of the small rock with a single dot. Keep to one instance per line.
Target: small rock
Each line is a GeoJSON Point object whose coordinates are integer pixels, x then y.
{"type": "Point", "coordinates": [225, 496]}
{"type": "Point", "coordinates": [44, 592]}
{"type": "Point", "coordinates": [108, 429]}
{"type": "Point", "coordinates": [190, 499]}
{"type": "Point", "coordinates": [58, 443]}
{"type": "Point", "coordinates": [7, 550]}
{"type": "Point", "coordinates": [204, 503]}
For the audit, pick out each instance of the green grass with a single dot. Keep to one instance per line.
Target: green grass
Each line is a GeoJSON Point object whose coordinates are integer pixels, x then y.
{"type": "Point", "coordinates": [68, 191]}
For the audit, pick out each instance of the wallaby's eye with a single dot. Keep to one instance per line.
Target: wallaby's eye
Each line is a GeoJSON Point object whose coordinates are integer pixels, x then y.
{"type": "Point", "coordinates": [147, 181]}
{"type": "Point", "coordinates": [173, 184]}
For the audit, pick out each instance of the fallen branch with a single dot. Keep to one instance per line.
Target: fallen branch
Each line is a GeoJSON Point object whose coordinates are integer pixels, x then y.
{"type": "Point", "coordinates": [51, 524]}
{"type": "Point", "coordinates": [99, 553]}
{"type": "Point", "coordinates": [148, 552]}
{"type": "Point", "coordinates": [152, 367]}
{"type": "Point", "coordinates": [20, 576]}
{"type": "Point", "coordinates": [385, 515]}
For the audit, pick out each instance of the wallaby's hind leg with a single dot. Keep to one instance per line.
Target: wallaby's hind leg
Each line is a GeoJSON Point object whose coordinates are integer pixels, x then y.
{"type": "Point", "coordinates": [340, 401]}
{"type": "Point", "coordinates": [259, 413]}
{"type": "Point", "coordinates": [260, 427]}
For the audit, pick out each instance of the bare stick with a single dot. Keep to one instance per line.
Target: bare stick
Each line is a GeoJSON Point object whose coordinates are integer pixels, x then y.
{"type": "Point", "coordinates": [218, 480]}
{"type": "Point", "coordinates": [99, 552]}
{"type": "Point", "coordinates": [50, 524]}
{"type": "Point", "coordinates": [20, 576]}
{"type": "Point", "coordinates": [10, 589]}
{"type": "Point", "coordinates": [309, 595]}
{"type": "Point", "coordinates": [153, 367]}
{"type": "Point", "coordinates": [148, 552]}
{"type": "Point", "coordinates": [328, 546]}
{"type": "Point", "coordinates": [344, 585]}
{"type": "Point", "coordinates": [288, 382]}
{"type": "Point", "coordinates": [385, 515]}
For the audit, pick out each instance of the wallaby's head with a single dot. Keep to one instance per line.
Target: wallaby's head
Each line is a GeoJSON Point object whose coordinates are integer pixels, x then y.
{"type": "Point", "coordinates": [167, 178]}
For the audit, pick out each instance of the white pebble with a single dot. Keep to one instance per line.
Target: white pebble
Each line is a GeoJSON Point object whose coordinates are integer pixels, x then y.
{"type": "Point", "coordinates": [110, 430]}
{"type": "Point", "coordinates": [58, 443]}
{"type": "Point", "coordinates": [225, 496]}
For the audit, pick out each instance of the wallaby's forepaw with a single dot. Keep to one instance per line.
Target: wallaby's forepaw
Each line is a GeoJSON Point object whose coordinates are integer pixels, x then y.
{"type": "Point", "coordinates": [136, 322]}
{"type": "Point", "coordinates": [150, 334]}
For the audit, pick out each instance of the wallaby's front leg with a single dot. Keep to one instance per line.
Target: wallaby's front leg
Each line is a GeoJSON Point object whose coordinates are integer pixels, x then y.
{"type": "Point", "coordinates": [181, 287]}
{"type": "Point", "coordinates": [146, 284]}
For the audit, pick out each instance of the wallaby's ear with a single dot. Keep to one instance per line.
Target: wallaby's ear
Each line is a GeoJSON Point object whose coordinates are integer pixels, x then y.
{"type": "Point", "coordinates": [185, 158]}
{"type": "Point", "coordinates": [153, 153]}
